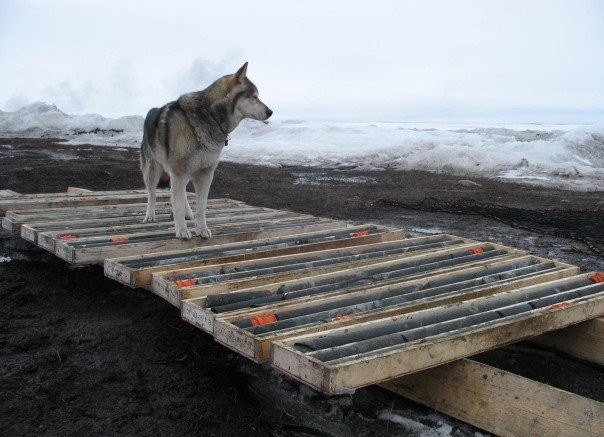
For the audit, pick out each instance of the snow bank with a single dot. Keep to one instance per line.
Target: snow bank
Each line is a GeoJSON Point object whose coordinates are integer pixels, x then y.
{"type": "Point", "coordinates": [561, 155]}
{"type": "Point", "coordinates": [41, 120]}
{"type": "Point", "coordinates": [544, 154]}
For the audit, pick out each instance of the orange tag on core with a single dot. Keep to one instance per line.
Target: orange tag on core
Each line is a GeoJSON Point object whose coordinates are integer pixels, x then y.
{"type": "Point", "coordinates": [476, 250]}
{"type": "Point", "coordinates": [263, 320]}
{"type": "Point", "coordinates": [68, 237]}
{"type": "Point", "coordinates": [360, 233]}
{"type": "Point", "coordinates": [118, 239]}
{"type": "Point", "coordinates": [344, 317]}
{"type": "Point", "coordinates": [214, 206]}
{"type": "Point", "coordinates": [596, 278]}
{"type": "Point", "coordinates": [185, 282]}
{"type": "Point", "coordinates": [559, 306]}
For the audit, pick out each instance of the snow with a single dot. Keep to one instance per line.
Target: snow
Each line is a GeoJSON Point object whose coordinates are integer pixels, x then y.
{"type": "Point", "coordinates": [4, 259]}
{"type": "Point", "coordinates": [41, 120]}
{"type": "Point", "coordinates": [569, 156]}
{"type": "Point", "coordinates": [416, 428]}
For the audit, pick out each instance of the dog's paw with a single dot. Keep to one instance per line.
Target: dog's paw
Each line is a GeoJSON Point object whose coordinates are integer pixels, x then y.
{"type": "Point", "coordinates": [149, 219]}
{"type": "Point", "coordinates": [204, 233]}
{"type": "Point", "coordinates": [183, 234]}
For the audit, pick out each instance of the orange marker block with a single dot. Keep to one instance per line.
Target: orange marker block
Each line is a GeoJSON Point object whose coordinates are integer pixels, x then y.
{"type": "Point", "coordinates": [118, 239]}
{"type": "Point", "coordinates": [68, 237]}
{"type": "Point", "coordinates": [360, 233]}
{"type": "Point", "coordinates": [263, 320]}
{"type": "Point", "coordinates": [344, 317]}
{"type": "Point", "coordinates": [596, 278]}
{"type": "Point", "coordinates": [185, 282]}
{"type": "Point", "coordinates": [476, 250]}
{"type": "Point", "coordinates": [559, 306]}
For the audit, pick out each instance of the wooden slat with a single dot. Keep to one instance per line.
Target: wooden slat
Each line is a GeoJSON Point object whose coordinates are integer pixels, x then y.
{"type": "Point", "coordinates": [14, 219]}
{"type": "Point", "coordinates": [20, 203]}
{"type": "Point", "coordinates": [501, 402]}
{"type": "Point", "coordinates": [584, 340]}
{"type": "Point", "coordinates": [161, 285]}
{"type": "Point", "coordinates": [258, 348]}
{"type": "Point", "coordinates": [195, 310]}
{"type": "Point", "coordinates": [344, 375]}
{"type": "Point", "coordinates": [120, 270]}
{"type": "Point", "coordinates": [97, 255]}
{"type": "Point", "coordinates": [130, 225]}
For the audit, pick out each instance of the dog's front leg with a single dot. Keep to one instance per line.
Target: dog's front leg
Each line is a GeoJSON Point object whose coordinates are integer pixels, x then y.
{"type": "Point", "coordinates": [178, 190]}
{"type": "Point", "coordinates": [202, 181]}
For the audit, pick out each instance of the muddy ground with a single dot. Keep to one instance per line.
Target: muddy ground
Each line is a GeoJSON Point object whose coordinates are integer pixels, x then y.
{"type": "Point", "coordinates": [80, 354]}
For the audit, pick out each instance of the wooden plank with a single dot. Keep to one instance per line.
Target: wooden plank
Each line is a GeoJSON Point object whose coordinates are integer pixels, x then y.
{"type": "Point", "coordinates": [187, 294]}
{"type": "Point", "coordinates": [101, 236]}
{"type": "Point", "coordinates": [97, 254]}
{"type": "Point", "coordinates": [501, 402]}
{"type": "Point", "coordinates": [132, 225]}
{"type": "Point", "coordinates": [322, 255]}
{"type": "Point", "coordinates": [258, 348]}
{"type": "Point", "coordinates": [273, 282]}
{"type": "Point", "coordinates": [21, 203]}
{"type": "Point", "coordinates": [14, 219]}
{"type": "Point", "coordinates": [341, 376]}
{"type": "Point", "coordinates": [164, 286]}
{"type": "Point", "coordinates": [137, 233]}
{"type": "Point", "coordinates": [105, 210]}
{"type": "Point", "coordinates": [584, 340]}
{"type": "Point", "coordinates": [120, 270]}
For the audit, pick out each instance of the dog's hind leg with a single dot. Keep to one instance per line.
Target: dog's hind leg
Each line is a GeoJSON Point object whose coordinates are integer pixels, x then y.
{"type": "Point", "coordinates": [152, 173]}
{"type": "Point", "coordinates": [189, 214]}
{"type": "Point", "coordinates": [202, 181]}
{"type": "Point", "coordinates": [178, 189]}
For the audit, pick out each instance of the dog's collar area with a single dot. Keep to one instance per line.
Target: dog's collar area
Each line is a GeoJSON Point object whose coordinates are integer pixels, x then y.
{"type": "Point", "coordinates": [226, 136]}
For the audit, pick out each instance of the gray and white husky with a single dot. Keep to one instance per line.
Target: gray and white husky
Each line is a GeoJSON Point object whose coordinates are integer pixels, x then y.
{"type": "Point", "coordinates": [184, 139]}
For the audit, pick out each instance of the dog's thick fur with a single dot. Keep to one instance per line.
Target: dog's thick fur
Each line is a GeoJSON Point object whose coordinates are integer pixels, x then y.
{"type": "Point", "coordinates": [184, 139]}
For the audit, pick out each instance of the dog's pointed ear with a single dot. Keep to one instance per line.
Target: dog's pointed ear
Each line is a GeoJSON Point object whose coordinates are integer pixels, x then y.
{"type": "Point", "coordinates": [240, 75]}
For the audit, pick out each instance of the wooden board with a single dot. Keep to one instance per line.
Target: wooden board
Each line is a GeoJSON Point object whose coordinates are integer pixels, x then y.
{"type": "Point", "coordinates": [99, 249]}
{"type": "Point", "coordinates": [197, 311]}
{"type": "Point", "coordinates": [136, 270]}
{"type": "Point", "coordinates": [584, 340]}
{"type": "Point", "coordinates": [341, 375]}
{"type": "Point", "coordinates": [63, 201]}
{"type": "Point", "coordinates": [14, 219]}
{"type": "Point", "coordinates": [501, 402]}
{"type": "Point", "coordinates": [130, 225]}
{"type": "Point", "coordinates": [219, 280]}
{"type": "Point", "coordinates": [257, 345]}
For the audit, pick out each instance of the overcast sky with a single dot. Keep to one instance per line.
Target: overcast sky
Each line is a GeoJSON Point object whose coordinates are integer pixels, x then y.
{"type": "Point", "coordinates": [522, 61]}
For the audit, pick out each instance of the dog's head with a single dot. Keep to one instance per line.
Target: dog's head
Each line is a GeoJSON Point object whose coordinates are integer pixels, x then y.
{"type": "Point", "coordinates": [243, 95]}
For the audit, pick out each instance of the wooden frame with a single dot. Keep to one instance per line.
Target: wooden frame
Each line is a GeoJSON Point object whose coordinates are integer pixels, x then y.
{"type": "Point", "coordinates": [501, 402]}
{"type": "Point", "coordinates": [163, 286]}
{"type": "Point", "coordinates": [122, 271]}
{"type": "Point", "coordinates": [359, 371]}
{"type": "Point", "coordinates": [133, 224]}
{"type": "Point", "coordinates": [258, 348]}
{"type": "Point", "coordinates": [195, 311]}
{"type": "Point", "coordinates": [166, 241]}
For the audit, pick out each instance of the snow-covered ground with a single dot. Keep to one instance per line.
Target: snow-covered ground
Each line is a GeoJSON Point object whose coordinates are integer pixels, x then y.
{"type": "Point", "coordinates": [570, 156]}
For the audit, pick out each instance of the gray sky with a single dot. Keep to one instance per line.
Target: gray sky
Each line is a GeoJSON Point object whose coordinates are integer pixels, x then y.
{"type": "Point", "coordinates": [524, 61]}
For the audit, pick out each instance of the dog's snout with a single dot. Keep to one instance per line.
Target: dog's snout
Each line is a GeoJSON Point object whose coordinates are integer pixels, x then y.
{"type": "Point", "coordinates": [268, 112]}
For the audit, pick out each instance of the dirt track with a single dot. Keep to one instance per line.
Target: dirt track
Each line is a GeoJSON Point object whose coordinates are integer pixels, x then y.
{"type": "Point", "coordinates": [82, 354]}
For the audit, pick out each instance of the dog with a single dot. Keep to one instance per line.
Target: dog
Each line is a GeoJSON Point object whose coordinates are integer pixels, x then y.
{"type": "Point", "coordinates": [184, 139]}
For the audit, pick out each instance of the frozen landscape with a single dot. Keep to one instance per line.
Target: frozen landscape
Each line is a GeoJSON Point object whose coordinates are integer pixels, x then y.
{"type": "Point", "coordinates": [564, 156]}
